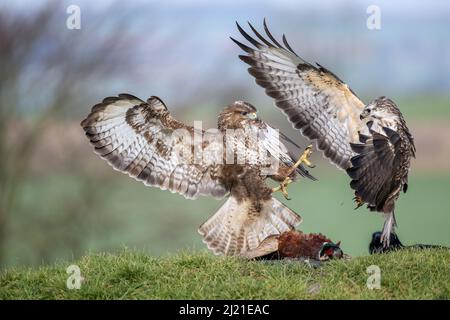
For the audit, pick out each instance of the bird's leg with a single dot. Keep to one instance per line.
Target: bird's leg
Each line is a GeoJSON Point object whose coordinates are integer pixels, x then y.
{"type": "Point", "coordinates": [359, 201]}
{"type": "Point", "coordinates": [304, 158]}
{"type": "Point", "coordinates": [388, 229]}
{"type": "Point", "coordinates": [283, 187]}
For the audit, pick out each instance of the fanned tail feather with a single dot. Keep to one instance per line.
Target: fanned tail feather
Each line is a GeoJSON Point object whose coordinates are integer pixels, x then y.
{"type": "Point", "coordinates": [235, 229]}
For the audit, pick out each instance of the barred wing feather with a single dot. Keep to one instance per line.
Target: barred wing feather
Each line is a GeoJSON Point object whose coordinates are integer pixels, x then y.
{"type": "Point", "coordinates": [315, 101]}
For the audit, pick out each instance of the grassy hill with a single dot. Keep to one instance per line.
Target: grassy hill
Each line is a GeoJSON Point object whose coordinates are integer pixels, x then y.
{"type": "Point", "coordinates": [410, 274]}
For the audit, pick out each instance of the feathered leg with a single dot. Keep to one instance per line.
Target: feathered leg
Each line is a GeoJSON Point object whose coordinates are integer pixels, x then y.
{"type": "Point", "coordinates": [388, 229]}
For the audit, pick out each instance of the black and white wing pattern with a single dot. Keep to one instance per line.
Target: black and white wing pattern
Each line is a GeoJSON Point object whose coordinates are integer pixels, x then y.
{"type": "Point", "coordinates": [315, 100]}
{"type": "Point", "coordinates": [379, 171]}
{"type": "Point", "coordinates": [143, 140]}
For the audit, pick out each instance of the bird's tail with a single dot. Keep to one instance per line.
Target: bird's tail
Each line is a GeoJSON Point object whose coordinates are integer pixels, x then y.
{"type": "Point", "coordinates": [237, 227]}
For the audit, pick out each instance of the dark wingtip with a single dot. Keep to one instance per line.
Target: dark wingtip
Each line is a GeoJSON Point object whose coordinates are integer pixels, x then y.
{"type": "Point", "coordinates": [305, 173]}
{"type": "Point", "coordinates": [266, 29]}
{"type": "Point", "coordinates": [267, 43]}
{"type": "Point", "coordinates": [247, 59]}
{"type": "Point", "coordinates": [286, 43]}
{"type": "Point", "coordinates": [289, 139]}
{"type": "Point", "coordinates": [242, 46]}
{"type": "Point", "coordinates": [248, 37]}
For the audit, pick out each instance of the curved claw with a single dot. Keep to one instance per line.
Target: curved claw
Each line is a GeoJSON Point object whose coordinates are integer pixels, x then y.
{"type": "Point", "coordinates": [304, 158]}
{"type": "Point", "coordinates": [359, 202]}
{"type": "Point", "coordinates": [384, 240]}
{"type": "Point", "coordinates": [283, 188]}
{"type": "Point", "coordinates": [285, 193]}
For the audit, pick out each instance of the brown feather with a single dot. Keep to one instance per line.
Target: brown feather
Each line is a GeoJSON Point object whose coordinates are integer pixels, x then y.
{"type": "Point", "coordinates": [296, 244]}
{"type": "Point", "coordinates": [315, 100]}
{"type": "Point", "coordinates": [143, 140]}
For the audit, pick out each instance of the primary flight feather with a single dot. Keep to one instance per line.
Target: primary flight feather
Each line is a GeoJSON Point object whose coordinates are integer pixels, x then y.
{"type": "Point", "coordinates": [370, 141]}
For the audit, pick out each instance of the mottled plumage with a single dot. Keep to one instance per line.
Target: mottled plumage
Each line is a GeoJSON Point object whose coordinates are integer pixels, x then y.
{"type": "Point", "coordinates": [143, 140]}
{"type": "Point", "coordinates": [380, 168]}
{"type": "Point", "coordinates": [375, 149]}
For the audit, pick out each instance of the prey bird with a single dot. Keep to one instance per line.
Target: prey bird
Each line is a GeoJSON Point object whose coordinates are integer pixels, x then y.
{"type": "Point", "coordinates": [142, 139]}
{"type": "Point", "coordinates": [370, 141]}
{"type": "Point", "coordinates": [295, 244]}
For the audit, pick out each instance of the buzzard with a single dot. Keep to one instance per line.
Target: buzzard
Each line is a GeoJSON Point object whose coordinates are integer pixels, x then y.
{"type": "Point", "coordinates": [370, 141]}
{"type": "Point", "coordinates": [143, 140]}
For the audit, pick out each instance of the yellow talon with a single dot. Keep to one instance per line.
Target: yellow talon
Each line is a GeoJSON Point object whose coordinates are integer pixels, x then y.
{"type": "Point", "coordinates": [304, 158]}
{"type": "Point", "coordinates": [283, 187]}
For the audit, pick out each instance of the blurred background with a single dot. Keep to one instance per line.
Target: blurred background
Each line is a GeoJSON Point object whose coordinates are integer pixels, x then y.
{"type": "Point", "coordinates": [59, 201]}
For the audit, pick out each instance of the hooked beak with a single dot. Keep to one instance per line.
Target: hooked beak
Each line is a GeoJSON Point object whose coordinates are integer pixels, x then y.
{"type": "Point", "coordinates": [252, 116]}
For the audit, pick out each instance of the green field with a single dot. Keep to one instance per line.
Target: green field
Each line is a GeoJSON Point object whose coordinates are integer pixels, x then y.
{"type": "Point", "coordinates": [423, 108]}
{"type": "Point", "coordinates": [131, 275]}
{"type": "Point", "coordinates": [52, 221]}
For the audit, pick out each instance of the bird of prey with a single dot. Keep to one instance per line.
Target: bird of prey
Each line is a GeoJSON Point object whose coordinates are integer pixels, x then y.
{"type": "Point", "coordinates": [142, 139]}
{"type": "Point", "coordinates": [370, 141]}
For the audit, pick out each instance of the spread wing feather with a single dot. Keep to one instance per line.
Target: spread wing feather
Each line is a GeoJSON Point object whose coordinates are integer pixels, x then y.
{"type": "Point", "coordinates": [373, 169]}
{"type": "Point", "coordinates": [138, 138]}
{"type": "Point", "coordinates": [315, 100]}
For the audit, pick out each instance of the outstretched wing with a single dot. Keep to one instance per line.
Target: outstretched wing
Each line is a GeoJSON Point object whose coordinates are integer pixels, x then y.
{"type": "Point", "coordinates": [142, 139]}
{"type": "Point", "coordinates": [273, 141]}
{"type": "Point", "coordinates": [374, 169]}
{"type": "Point", "coordinates": [315, 100]}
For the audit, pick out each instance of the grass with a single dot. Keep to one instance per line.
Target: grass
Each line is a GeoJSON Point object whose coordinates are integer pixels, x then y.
{"type": "Point", "coordinates": [410, 274]}
{"type": "Point", "coordinates": [160, 222]}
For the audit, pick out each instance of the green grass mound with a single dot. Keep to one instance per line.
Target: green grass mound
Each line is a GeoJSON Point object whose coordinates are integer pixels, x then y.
{"type": "Point", "coordinates": [409, 274]}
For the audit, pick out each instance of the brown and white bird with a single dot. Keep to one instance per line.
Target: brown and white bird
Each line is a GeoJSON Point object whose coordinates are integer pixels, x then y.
{"type": "Point", "coordinates": [371, 142]}
{"type": "Point", "coordinates": [143, 140]}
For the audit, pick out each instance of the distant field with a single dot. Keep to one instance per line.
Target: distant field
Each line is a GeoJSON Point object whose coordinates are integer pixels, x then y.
{"type": "Point", "coordinates": [412, 274]}
{"type": "Point", "coordinates": [429, 107]}
{"type": "Point", "coordinates": [129, 214]}
{"type": "Point", "coordinates": [426, 108]}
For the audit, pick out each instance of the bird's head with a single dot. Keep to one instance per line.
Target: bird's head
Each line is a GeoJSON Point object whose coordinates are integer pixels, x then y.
{"type": "Point", "coordinates": [238, 115]}
{"type": "Point", "coordinates": [381, 108]}
{"type": "Point", "coordinates": [330, 251]}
